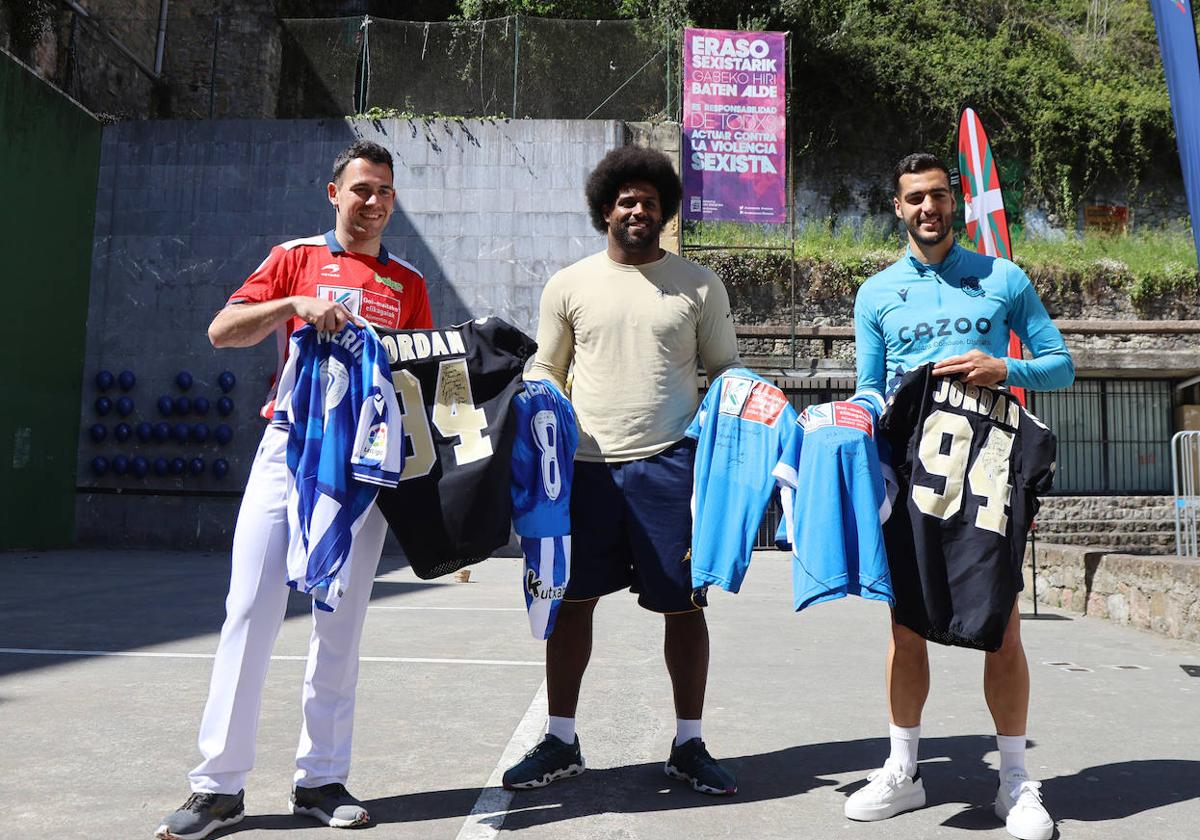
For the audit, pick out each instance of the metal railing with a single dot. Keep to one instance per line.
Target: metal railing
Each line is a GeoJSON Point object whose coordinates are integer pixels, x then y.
{"type": "Point", "coordinates": [1185, 485]}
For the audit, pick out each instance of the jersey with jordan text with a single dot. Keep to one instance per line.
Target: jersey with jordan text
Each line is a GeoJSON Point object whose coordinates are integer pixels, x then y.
{"type": "Point", "coordinates": [741, 428]}
{"type": "Point", "coordinates": [452, 506]}
{"type": "Point", "coordinates": [543, 464]}
{"type": "Point", "coordinates": [830, 473]}
{"type": "Point", "coordinates": [911, 313]}
{"type": "Point", "coordinates": [344, 442]}
{"type": "Point", "coordinates": [971, 463]}
{"type": "Point", "coordinates": [383, 289]}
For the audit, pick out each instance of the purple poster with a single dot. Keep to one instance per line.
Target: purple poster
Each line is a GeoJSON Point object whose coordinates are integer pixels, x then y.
{"type": "Point", "coordinates": [734, 126]}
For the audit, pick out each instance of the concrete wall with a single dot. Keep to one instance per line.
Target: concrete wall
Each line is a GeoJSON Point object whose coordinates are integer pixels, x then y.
{"type": "Point", "coordinates": [1160, 594]}
{"type": "Point", "coordinates": [186, 210]}
{"type": "Point", "coordinates": [49, 152]}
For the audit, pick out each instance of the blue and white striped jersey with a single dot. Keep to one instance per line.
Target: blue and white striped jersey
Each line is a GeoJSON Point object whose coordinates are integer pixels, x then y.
{"type": "Point", "coordinates": [344, 442]}
{"type": "Point", "coordinates": [741, 428]}
{"type": "Point", "coordinates": [543, 463]}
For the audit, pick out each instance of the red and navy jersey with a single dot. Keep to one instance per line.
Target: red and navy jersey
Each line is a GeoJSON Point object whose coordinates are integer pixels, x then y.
{"type": "Point", "coordinates": [971, 463]}
{"type": "Point", "coordinates": [384, 289]}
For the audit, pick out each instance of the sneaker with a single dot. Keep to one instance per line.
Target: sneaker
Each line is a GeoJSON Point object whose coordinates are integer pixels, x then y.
{"type": "Point", "coordinates": [549, 761]}
{"type": "Point", "coordinates": [332, 804]}
{"type": "Point", "coordinates": [691, 762]}
{"type": "Point", "coordinates": [201, 815]}
{"type": "Point", "coordinates": [889, 791]}
{"type": "Point", "coordinates": [1019, 804]}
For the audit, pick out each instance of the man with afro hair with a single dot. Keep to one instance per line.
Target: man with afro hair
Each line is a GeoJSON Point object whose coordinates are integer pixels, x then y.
{"type": "Point", "coordinates": [629, 324]}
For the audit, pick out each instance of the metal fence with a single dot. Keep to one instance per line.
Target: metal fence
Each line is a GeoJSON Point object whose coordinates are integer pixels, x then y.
{"type": "Point", "coordinates": [513, 66]}
{"type": "Point", "coordinates": [1185, 486]}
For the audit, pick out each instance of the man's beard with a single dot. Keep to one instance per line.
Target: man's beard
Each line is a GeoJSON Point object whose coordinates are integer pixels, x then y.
{"type": "Point", "coordinates": [924, 238]}
{"type": "Point", "coordinates": [648, 238]}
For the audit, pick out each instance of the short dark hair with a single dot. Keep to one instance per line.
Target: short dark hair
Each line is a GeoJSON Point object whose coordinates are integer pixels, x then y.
{"type": "Point", "coordinates": [914, 163]}
{"type": "Point", "coordinates": [627, 164]}
{"type": "Point", "coordinates": [364, 149]}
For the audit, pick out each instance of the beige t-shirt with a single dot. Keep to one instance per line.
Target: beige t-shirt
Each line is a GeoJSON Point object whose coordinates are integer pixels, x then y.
{"type": "Point", "coordinates": [634, 333]}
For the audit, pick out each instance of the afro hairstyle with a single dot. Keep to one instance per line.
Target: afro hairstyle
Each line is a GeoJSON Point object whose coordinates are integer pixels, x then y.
{"type": "Point", "coordinates": [623, 166]}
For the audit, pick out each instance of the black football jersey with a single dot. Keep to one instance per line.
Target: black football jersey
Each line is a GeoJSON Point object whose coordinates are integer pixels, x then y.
{"type": "Point", "coordinates": [452, 506]}
{"type": "Point", "coordinates": [971, 464]}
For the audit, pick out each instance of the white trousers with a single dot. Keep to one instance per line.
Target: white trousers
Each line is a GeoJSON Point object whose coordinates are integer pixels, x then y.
{"type": "Point", "coordinates": [254, 612]}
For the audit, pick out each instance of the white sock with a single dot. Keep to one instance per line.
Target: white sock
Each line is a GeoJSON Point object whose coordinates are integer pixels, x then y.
{"type": "Point", "coordinates": [905, 740]}
{"type": "Point", "coordinates": [562, 728]}
{"type": "Point", "coordinates": [1012, 753]}
{"type": "Point", "coordinates": [686, 730]}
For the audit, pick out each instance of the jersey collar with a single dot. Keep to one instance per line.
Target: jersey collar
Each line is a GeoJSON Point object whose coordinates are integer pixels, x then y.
{"type": "Point", "coordinates": [336, 248]}
{"type": "Point", "coordinates": [952, 258]}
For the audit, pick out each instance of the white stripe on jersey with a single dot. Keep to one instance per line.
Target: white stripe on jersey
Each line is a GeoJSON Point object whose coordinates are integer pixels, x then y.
{"type": "Point", "coordinates": [319, 239]}
{"type": "Point", "coordinates": [406, 264]}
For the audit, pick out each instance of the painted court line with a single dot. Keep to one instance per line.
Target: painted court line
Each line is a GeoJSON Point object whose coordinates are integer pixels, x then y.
{"type": "Point", "coordinates": [452, 609]}
{"type": "Point", "coordinates": [147, 654]}
{"type": "Point", "coordinates": [487, 817]}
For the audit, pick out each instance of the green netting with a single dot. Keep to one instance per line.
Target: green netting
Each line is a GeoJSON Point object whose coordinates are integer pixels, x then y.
{"type": "Point", "coordinates": [527, 67]}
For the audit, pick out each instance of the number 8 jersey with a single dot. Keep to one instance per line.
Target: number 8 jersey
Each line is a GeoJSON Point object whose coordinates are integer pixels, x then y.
{"type": "Point", "coordinates": [452, 506]}
{"type": "Point", "coordinates": [971, 464]}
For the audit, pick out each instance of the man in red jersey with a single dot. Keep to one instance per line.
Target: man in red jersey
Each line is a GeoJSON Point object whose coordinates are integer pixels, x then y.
{"type": "Point", "coordinates": [345, 274]}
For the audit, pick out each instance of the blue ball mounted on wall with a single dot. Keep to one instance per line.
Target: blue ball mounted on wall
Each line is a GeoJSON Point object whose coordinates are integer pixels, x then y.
{"type": "Point", "coordinates": [121, 432]}
{"type": "Point", "coordinates": [183, 405]}
{"type": "Point", "coordinates": [184, 380]}
{"type": "Point", "coordinates": [200, 432]}
{"type": "Point", "coordinates": [98, 432]}
{"type": "Point", "coordinates": [120, 465]}
{"type": "Point", "coordinates": [124, 406]}
{"type": "Point", "coordinates": [226, 381]}
{"type": "Point", "coordinates": [181, 432]}
{"type": "Point", "coordinates": [99, 465]}
{"type": "Point", "coordinates": [104, 380]}
{"type": "Point", "coordinates": [223, 434]}
{"type": "Point", "coordinates": [220, 467]}
{"type": "Point", "coordinates": [161, 467]}
{"type": "Point", "coordinates": [166, 405]}
{"type": "Point", "coordinates": [225, 406]}
{"type": "Point", "coordinates": [139, 466]}
{"type": "Point", "coordinates": [126, 380]}
{"type": "Point", "coordinates": [144, 431]}
{"type": "Point", "coordinates": [200, 405]}
{"type": "Point", "coordinates": [103, 405]}
{"type": "Point", "coordinates": [162, 432]}
{"type": "Point", "coordinates": [196, 466]}
{"type": "Point", "coordinates": [177, 466]}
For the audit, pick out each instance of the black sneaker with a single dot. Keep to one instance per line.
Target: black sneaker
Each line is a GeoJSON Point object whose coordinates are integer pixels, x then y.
{"type": "Point", "coordinates": [691, 762]}
{"type": "Point", "coordinates": [549, 761]}
{"type": "Point", "coordinates": [332, 804]}
{"type": "Point", "coordinates": [201, 815]}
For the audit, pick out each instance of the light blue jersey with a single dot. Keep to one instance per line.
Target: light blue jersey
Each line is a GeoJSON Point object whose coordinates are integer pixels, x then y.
{"type": "Point", "coordinates": [911, 313]}
{"type": "Point", "coordinates": [830, 470]}
{"type": "Point", "coordinates": [344, 442]}
{"type": "Point", "coordinates": [543, 463]}
{"type": "Point", "coordinates": [742, 426]}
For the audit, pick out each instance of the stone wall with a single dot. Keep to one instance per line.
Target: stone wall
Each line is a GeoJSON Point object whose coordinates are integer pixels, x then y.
{"type": "Point", "coordinates": [1144, 523]}
{"type": "Point", "coordinates": [1160, 594]}
{"type": "Point", "coordinates": [487, 210]}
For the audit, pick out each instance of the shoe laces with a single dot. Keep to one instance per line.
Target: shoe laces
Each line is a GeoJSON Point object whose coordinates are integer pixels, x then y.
{"type": "Point", "coordinates": [1027, 794]}
{"type": "Point", "coordinates": [199, 801]}
{"type": "Point", "coordinates": [887, 776]}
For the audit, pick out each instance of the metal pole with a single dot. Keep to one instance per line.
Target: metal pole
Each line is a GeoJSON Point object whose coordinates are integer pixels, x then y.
{"type": "Point", "coordinates": [162, 38]}
{"type": "Point", "coordinates": [212, 72]}
{"type": "Point", "coordinates": [516, 64]}
{"type": "Point", "coordinates": [1033, 560]}
{"type": "Point", "coordinates": [364, 65]}
{"type": "Point", "coordinates": [791, 188]}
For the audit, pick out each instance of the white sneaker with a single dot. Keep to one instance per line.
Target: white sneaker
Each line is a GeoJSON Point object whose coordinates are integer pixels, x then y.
{"type": "Point", "coordinates": [889, 792]}
{"type": "Point", "coordinates": [1019, 804]}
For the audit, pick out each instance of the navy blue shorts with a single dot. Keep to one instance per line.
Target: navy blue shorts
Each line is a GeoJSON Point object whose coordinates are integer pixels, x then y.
{"type": "Point", "coordinates": [631, 527]}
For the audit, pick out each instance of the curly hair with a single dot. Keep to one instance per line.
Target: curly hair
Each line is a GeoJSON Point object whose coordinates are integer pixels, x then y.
{"type": "Point", "coordinates": [623, 166]}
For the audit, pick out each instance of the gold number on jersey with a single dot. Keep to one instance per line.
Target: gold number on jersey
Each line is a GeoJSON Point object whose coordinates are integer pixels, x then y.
{"type": "Point", "coordinates": [416, 427]}
{"type": "Point", "coordinates": [988, 475]}
{"type": "Point", "coordinates": [455, 413]}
